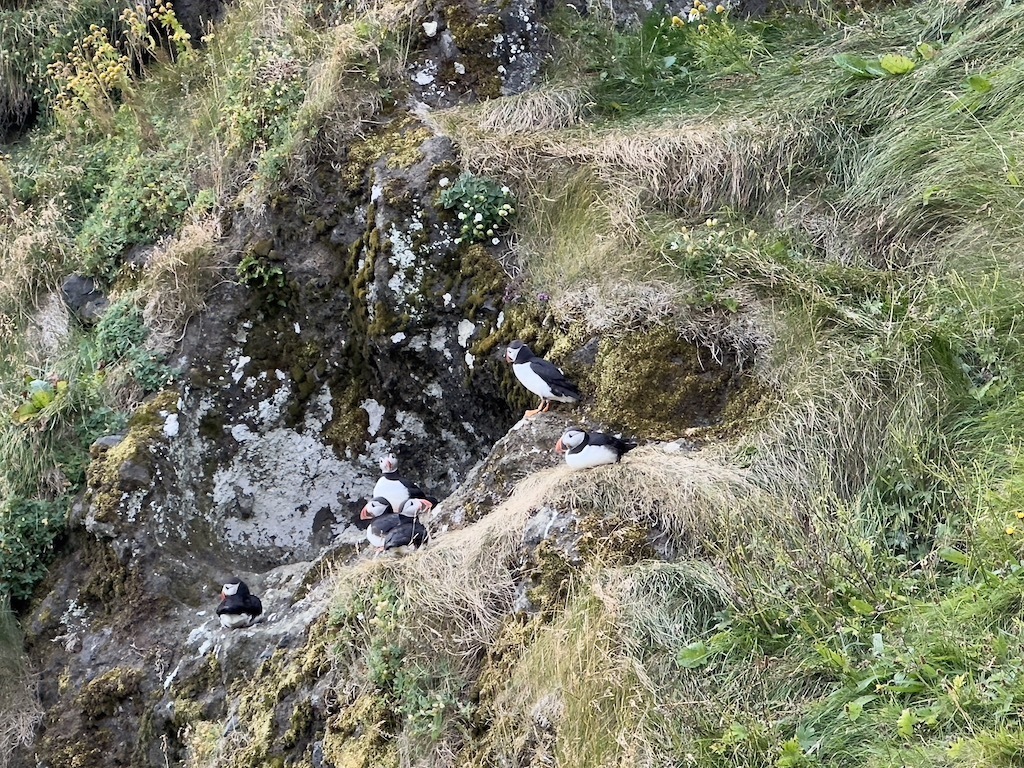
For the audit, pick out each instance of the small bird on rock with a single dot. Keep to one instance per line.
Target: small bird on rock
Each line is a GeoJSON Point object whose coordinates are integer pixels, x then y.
{"type": "Point", "coordinates": [540, 377]}
{"type": "Point", "coordinates": [238, 607]}
{"type": "Point", "coordinates": [390, 530]}
{"type": "Point", "coordinates": [393, 487]}
{"type": "Point", "coordinates": [584, 450]}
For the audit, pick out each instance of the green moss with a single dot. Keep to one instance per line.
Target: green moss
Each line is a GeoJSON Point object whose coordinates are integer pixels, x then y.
{"type": "Point", "coordinates": [101, 696]}
{"type": "Point", "coordinates": [266, 700]}
{"type": "Point", "coordinates": [206, 677]}
{"type": "Point", "coordinates": [474, 34]}
{"type": "Point", "coordinates": [144, 428]}
{"type": "Point", "coordinates": [657, 385]}
{"type": "Point", "coordinates": [109, 584]}
{"type": "Point", "coordinates": [350, 426]}
{"type": "Point", "coordinates": [400, 143]}
{"type": "Point", "coordinates": [355, 738]}
{"type": "Point", "coordinates": [551, 575]}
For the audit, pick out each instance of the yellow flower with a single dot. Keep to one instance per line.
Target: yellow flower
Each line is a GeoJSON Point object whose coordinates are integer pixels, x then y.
{"type": "Point", "coordinates": [1020, 515]}
{"type": "Point", "coordinates": [1010, 530]}
{"type": "Point", "coordinates": [720, 9]}
{"type": "Point", "coordinates": [702, 28]}
{"type": "Point", "coordinates": [677, 22]}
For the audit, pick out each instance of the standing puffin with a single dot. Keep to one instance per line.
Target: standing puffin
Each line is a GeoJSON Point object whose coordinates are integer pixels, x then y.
{"type": "Point", "coordinates": [591, 449]}
{"type": "Point", "coordinates": [540, 377]}
{"type": "Point", "coordinates": [238, 607]}
{"type": "Point", "coordinates": [389, 530]}
{"type": "Point", "coordinates": [393, 487]}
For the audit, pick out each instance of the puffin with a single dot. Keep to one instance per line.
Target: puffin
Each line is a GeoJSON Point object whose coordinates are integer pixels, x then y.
{"type": "Point", "coordinates": [393, 487]}
{"type": "Point", "coordinates": [389, 530]}
{"type": "Point", "coordinates": [540, 377]}
{"type": "Point", "coordinates": [238, 606]}
{"type": "Point", "coordinates": [584, 450]}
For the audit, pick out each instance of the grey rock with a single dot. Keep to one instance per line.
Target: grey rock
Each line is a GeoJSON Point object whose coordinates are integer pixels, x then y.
{"type": "Point", "coordinates": [84, 298]}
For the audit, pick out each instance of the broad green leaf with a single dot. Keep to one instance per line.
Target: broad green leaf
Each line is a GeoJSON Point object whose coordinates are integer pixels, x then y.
{"type": "Point", "coordinates": [837, 660]}
{"type": "Point", "coordinates": [926, 51]}
{"type": "Point", "coordinates": [856, 707]}
{"type": "Point", "coordinates": [896, 64]}
{"type": "Point", "coordinates": [863, 607]}
{"type": "Point", "coordinates": [905, 723]}
{"type": "Point", "coordinates": [694, 655]}
{"type": "Point", "coordinates": [954, 556]}
{"type": "Point", "coordinates": [979, 83]}
{"type": "Point", "coordinates": [858, 65]}
{"type": "Point", "coordinates": [877, 646]}
{"type": "Point", "coordinates": [1013, 178]}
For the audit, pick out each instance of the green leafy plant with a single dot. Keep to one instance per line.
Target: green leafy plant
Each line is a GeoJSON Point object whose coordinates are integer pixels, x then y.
{"type": "Point", "coordinates": [120, 340]}
{"type": "Point", "coordinates": [483, 207]}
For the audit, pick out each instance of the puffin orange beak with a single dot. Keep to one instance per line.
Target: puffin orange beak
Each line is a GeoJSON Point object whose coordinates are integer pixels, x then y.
{"type": "Point", "coordinates": [559, 448]}
{"type": "Point", "coordinates": [364, 513]}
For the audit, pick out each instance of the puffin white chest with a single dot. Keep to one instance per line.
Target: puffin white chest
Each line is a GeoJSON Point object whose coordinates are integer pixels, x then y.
{"type": "Point", "coordinates": [235, 620]}
{"type": "Point", "coordinates": [533, 381]}
{"type": "Point", "coordinates": [393, 490]}
{"type": "Point", "coordinates": [591, 456]}
{"type": "Point", "coordinates": [374, 538]}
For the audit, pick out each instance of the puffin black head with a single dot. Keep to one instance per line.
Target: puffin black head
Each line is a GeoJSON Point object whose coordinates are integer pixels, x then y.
{"type": "Point", "coordinates": [388, 463]}
{"type": "Point", "coordinates": [571, 438]}
{"type": "Point", "coordinates": [515, 351]}
{"type": "Point", "coordinates": [374, 508]}
{"type": "Point", "coordinates": [234, 587]}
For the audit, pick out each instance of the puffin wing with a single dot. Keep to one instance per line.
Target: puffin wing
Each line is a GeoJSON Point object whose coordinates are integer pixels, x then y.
{"type": "Point", "coordinates": [616, 444]}
{"type": "Point", "coordinates": [411, 532]}
{"type": "Point", "coordinates": [385, 524]}
{"type": "Point", "coordinates": [231, 604]}
{"type": "Point", "coordinates": [253, 606]}
{"type": "Point", "coordinates": [555, 379]}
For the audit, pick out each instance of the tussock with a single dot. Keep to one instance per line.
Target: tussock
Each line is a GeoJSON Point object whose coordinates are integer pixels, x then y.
{"type": "Point", "coordinates": [541, 109]}
{"type": "Point", "coordinates": [178, 277]}
{"type": "Point", "coordinates": [19, 708]}
{"type": "Point", "coordinates": [463, 585]}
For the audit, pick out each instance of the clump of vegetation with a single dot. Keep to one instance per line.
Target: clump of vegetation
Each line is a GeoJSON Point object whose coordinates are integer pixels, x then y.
{"type": "Point", "coordinates": [484, 208]}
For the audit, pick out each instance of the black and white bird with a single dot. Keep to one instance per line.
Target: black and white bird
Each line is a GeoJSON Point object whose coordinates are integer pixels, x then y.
{"type": "Point", "coordinates": [542, 378]}
{"type": "Point", "coordinates": [238, 606]}
{"type": "Point", "coordinates": [393, 487]}
{"type": "Point", "coordinates": [390, 530]}
{"type": "Point", "coordinates": [584, 450]}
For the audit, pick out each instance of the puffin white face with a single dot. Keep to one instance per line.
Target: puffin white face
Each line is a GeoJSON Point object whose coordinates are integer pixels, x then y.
{"type": "Point", "coordinates": [415, 507]}
{"type": "Point", "coordinates": [388, 463]}
{"type": "Point", "coordinates": [571, 439]}
{"type": "Point", "coordinates": [512, 353]}
{"type": "Point", "coordinates": [374, 508]}
{"type": "Point", "coordinates": [229, 589]}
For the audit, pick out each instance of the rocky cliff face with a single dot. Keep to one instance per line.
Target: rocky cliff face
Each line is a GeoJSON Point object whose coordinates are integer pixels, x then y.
{"type": "Point", "coordinates": [358, 325]}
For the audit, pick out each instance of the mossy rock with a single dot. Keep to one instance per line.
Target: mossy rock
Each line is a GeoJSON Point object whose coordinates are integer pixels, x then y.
{"type": "Point", "coordinates": [355, 738]}
{"type": "Point", "coordinates": [102, 696]}
{"type": "Point", "coordinates": [657, 385]}
{"type": "Point", "coordinates": [474, 34]}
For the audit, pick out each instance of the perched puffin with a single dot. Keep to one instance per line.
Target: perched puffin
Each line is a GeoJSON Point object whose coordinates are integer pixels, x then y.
{"type": "Point", "coordinates": [540, 377]}
{"type": "Point", "coordinates": [393, 487]}
{"type": "Point", "coordinates": [591, 449]}
{"type": "Point", "coordinates": [389, 530]}
{"type": "Point", "coordinates": [238, 607]}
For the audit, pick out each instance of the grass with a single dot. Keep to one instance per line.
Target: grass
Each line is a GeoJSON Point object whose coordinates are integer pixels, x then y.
{"type": "Point", "coordinates": [19, 710]}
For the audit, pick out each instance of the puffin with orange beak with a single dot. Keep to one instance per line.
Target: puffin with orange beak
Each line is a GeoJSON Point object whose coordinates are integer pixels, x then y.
{"type": "Point", "coordinates": [584, 450]}
{"type": "Point", "coordinates": [238, 607]}
{"type": "Point", "coordinates": [393, 487]}
{"type": "Point", "coordinates": [540, 377]}
{"type": "Point", "coordinates": [389, 530]}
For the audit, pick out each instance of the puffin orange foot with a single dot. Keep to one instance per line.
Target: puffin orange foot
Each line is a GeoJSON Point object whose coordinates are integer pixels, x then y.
{"type": "Point", "coordinates": [531, 413]}
{"type": "Point", "coordinates": [545, 406]}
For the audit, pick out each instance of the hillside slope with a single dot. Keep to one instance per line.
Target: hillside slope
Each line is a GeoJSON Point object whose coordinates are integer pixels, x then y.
{"type": "Point", "coordinates": [782, 253]}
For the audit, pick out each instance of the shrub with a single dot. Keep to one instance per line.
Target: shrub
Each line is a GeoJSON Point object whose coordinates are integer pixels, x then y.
{"type": "Point", "coordinates": [27, 530]}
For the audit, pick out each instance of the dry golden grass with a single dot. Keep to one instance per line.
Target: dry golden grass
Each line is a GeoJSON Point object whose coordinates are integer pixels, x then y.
{"type": "Point", "coordinates": [34, 252]}
{"type": "Point", "coordinates": [177, 279]}
{"type": "Point", "coordinates": [19, 706]}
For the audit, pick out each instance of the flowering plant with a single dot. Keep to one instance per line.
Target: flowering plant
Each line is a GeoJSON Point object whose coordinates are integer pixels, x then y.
{"type": "Point", "coordinates": [484, 208]}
